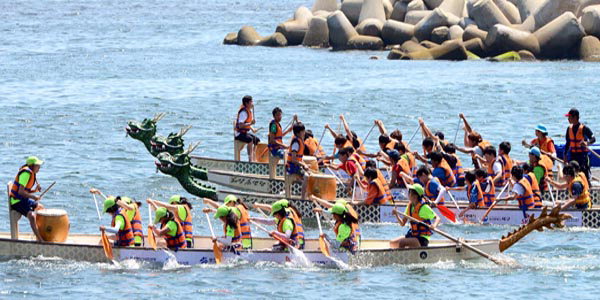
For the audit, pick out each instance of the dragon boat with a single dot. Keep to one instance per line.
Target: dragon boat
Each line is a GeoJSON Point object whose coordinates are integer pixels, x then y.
{"type": "Point", "coordinates": [372, 253]}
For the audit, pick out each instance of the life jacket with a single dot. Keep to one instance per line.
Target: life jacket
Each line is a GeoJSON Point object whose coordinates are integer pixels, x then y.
{"type": "Point", "coordinates": [490, 172]}
{"type": "Point", "coordinates": [458, 170]}
{"type": "Point", "coordinates": [354, 214]}
{"type": "Point", "coordinates": [178, 241]}
{"type": "Point", "coordinates": [244, 128]}
{"type": "Point", "coordinates": [526, 199]}
{"type": "Point", "coordinates": [586, 184]}
{"type": "Point", "coordinates": [535, 189]}
{"type": "Point", "coordinates": [401, 166]}
{"type": "Point", "coordinates": [244, 222]}
{"type": "Point", "coordinates": [188, 228]}
{"type": "Point", "coordinates": [545, 145]}
{"type": "Point", "coordinates": [507, 165]}
{"type": "Point", "coordinates": [297, 223]}
{"type": "Point", "coordinates": [490, 196]}
{"type": "Point", "coordinates": [380, 197]}
{"type": "Point", "coordinates": [278, 136]}
{"type": "Point", "coordinates": [584, 197]}
{"type": "Point", "coordinates": [484, 144]}
{"type": "Point", "coordinates": [237, 234]}
{"type": "Point", "coordinates": [391, 145]}
{"type": "Point", "coordinates": [14, 191]}
{"type": "Point", "coordinates": [136, 222]}
{"type": "Point", "coordinates": [543, 185]}
{"type": "Point", "coordinates": [313, 147]}
{"type": "Point", "coordinates": [360, 162]}
{"type": "Point", "coordinates": [294, 235]}
{"type": "Point", "coordinates": [352, 241]}
{"type": "Point", "coordinates": [547, 163]}
{"type": "Point", "coordinates": [431, 195]}
{"type": "Point", "coordinates": [412, 163]}
{"type": "Point", "coordinates": [575, 139]}
{"type": "Point", "coordinates": [384, 182]}
{"type": "Point", "coordinates": [448, 179]}
{"type": "Point", "coordinates": [362, 145]}
{"type": "Point", "coordinates": [417, 229]}
{"type": "Point", "coordinates": [300, 152]}
{"type": "Point", "coordinates": [125, 235]}
{"type": "Point", "coordinates": [476, 184]}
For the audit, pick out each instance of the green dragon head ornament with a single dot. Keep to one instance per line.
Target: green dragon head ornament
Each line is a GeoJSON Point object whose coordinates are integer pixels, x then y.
{"type": "Point", "coordinates": [145, 130]}
{"type": "Point", "coordinates": [179, 166]}
{"type": "Point", "coordinates": [173, 143]}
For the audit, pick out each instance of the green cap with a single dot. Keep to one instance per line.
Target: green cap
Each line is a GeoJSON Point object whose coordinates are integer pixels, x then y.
{"type": "Point", "coordinates": [222, 211]}
{"type": "Point", "coordinates": [108, 203]}
{"type": "Point", "coordinates": [33, 160]}
{"type": "Point", "coordinates": [127, 200]}
{"type": "Point", "coordinates": [341, 201]}
{"type": "Point", "coordinates": [417, 188]}
{"type": "Point", "coordinates": [160, 213]}
{"type": "Point", "coordinates": [279, 205]}
{"type": "Point", "coordinates": [175, 199]}
{"type": "Point", "coordinates": [338, 209]}
{"type": "Point", "coordinates": [230, 198]}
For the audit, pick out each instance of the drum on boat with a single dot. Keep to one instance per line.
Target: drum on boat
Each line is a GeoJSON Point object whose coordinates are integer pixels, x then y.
{"type": "Point", "coordinates": [262, 153]}
{"type": "Point", "coordinates": [53, 225]}
{"type": "Point", "coordinates": [312, 162]}
{"type": "Point", "coordinates": [323, 186]}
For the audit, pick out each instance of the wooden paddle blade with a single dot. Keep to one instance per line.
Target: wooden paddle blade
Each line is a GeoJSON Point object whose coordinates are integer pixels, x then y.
{"type": "Point", "coordinates": [151, 238]}
{"type": "Point", "coordinates": [323, 246]}
{"type": "Point", "coordinates": [218, 253]}
{"type": "Point", "coordinates": [446, 212]}
{"type": "Point", "coordinates": [107, 246]}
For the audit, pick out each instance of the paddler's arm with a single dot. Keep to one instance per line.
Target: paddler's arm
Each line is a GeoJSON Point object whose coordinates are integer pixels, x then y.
{"type": "Point", "coordinates": [407, 178]}
{"type": "Point", "coordinates": [419, 157]}
{"type": "Point", "coordinates": [151, 203]}
{"type": "Point", "coordinates": [333, 133]}
{"type": "Point", "coordinates": [401, 220]}
{"type": "Point", "coordinates": [264, 221]}
{"type": "Point", "coordinates": [210, 202]}
{"type": "Point", "coordinates": [465, 150]}
{"type": "Point", "coordinates": [526, 144]}
{"type": "Point", "coordinates": [321, 202]}
{"type": "Point", "coordinates": [290, 128]}
{"type": "Point", "coordinates": [381, 127]}
{"type": "Point", "coordinates": [124, 205]}
{"type": "Point", "coordinates": [172, 208]}
{"type": "Point", "coordinates": [113, 229]}
{"type": "Point", "coordinates": [468, 128]}
{"type": "Point", "coordinates": [441, 192]}
{"type": "Point", "coordinates": [424, 129]}
{"type": "Point", "coordinates": [97, 192]}
{"type": "Point", "coordinates": [262, 206]}
{"type": "Point", "coordinates": [557, 184]}
{"type": "Point", "coordinates": [346, 127]}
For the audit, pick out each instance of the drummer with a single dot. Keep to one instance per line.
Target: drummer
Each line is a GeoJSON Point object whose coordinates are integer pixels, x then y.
{"type": "Point", "coordinates": [120, 225]}
{"type": "Point", "coordinates": [243, 126]}
{"type": "Point", "coordinates": [22, 193]}
{"type": "Point", "coordinates": [345, 228]}
{"type": "Point", "coordinates": [241, 211]}
{"type": "Point", "coordinates": [418, 235]}
{"type": "Point", "coordinates": [182, 209]}
{"type": "Point", "coordinates": [170, 229]}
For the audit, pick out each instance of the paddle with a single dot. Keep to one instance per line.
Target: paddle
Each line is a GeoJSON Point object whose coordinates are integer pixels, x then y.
{"type": "Point", "coordinates": [445, 211]}
{"type": "Point", "coordinates": [487, 212]}
{"type": "Point", "coordinates": [448, 236]}
{"type": "Point", "coordinates": [551, 195]}
{"type": "Point", "coordinates": [216, 249]}
{"type": "Point", "coordinates": [457, 129]}
{"type": "Point", "coordinates": [107, 246]}
{"type": "Point", "coordinates": [366, 137]}
{"type": "Point", "coordinates": [413, 136]}
{"type": "Point", "coordinates": [47, 189]}
{"type": "Point", "coordinates": [97, 208]}
{"type": "Point", "coordinates": [279, 239]}
{"type": "Point", "coordinates": [151, 237]}
{"type": "Point", "coordinates": [322, 243]}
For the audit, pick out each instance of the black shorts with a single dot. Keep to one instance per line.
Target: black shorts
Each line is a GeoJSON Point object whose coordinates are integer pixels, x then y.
{"type": "Point", "coordinates": [422, 241]}
{"type": "Point", "coordinates": [25, 206]}
{"type": "Point", "coordinates": [247, 138]}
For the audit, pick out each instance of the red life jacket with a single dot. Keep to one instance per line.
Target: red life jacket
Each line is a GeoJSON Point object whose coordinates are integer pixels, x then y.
{"type": "Point", "coordinates": [250, 117]}
{"type": "Point", "coordinates": [278, 136]}
{"type": "Point", "coordinates": [125, 235]}
{"type": "Point", "coordinates": [177, 241]}
{"type": "Point", "coordinates": [14, 191]}
{"type": "Point", "coordinates": [575, 139]}
{"type": "Point", "coordinates": [417, 229]}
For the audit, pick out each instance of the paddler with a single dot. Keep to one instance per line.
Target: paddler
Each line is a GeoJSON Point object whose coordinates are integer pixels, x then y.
{"type": "Point", "coordinates": [353, 137]}
{"type": "Point", "coordinates": [244, 121]}
{"type": "Point", "coordinates": [419, 234]}
{"type": "Point", "coordinates": [120, 225]}
{"type": "Point", "coordinates": [578, 138]}
{"type": "Point", "coordinates": [276, 134]}
{"type": "Point", "coordinates": [296, 169]}
{"type": "Point", "coordinates": [22, 192]}
{"type": "Point", "coordinates": [131, 211]}
{"type": "Point", "coordinates": [313, 148]}
{"type": "Point", "coordinates": [395, 136]}
{"type": "Point", "coordinates": [535, 187]}
{"type": "Point", "coordinates": [170, 229]}
{"type": "Point", "coordinates": [521, 191]}
{"type": "Point", "coordinates": [455, 163]}
{"type": "Point", "coordinates": [474, 143]}
{"type": "Point", "coordinates": [441, 169]}
{"type": "Point", "coordinates": [231, 228]}
{"type": "Point", "coordinates": [241, 211]}
{"type": "Point", "coordinates": [401, 172]}
{"type": "Point", "coordinates": [288, 226]}
{"type": "Point", "coordinates": [474, 193]}
{"type": "Point", "coordinates": [494, 166]}
{"type": "Point", "coordinates": [182, 209]}
{"type": "Point", "coordinates": [487, 187]}
{"type": "Point", "coordinates": [350, 165]}
{"type": "Point", "coordinates": [376, 191]}
{"type": "Point", "coordinates": [345, 228]}
{"type": "Point", "coordinates": [539, 169]}
{"type": "Point", "coordinates": [386, 186]}
{"type": "Point", "coordinates": [577, 188]}
{"type": "Point", "coordinates": [434, 189]}
{"type": "Point", "coordinates": [544, 143]}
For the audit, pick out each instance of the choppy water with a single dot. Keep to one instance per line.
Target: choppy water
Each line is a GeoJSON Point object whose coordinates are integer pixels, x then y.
{"type": "Point", "coordinates": [73, 73]}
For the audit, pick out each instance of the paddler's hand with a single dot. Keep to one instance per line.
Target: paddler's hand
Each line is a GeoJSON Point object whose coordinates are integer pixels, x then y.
{"type": "Point", "coordinates": [272, 233]}
{"type": "Point", "coordinates": [38, 188]}
{"type": "Point", "coordinates": [327, 126]}
{"type": "Point", "coordinates": [102, 228]}
{"type": "Point", "coordinates": [35, 197]}
{"type": "Point", "coordinates": [206, 210]}
{"type": "Point", "coordinates": [395, 212]}
{"type": "Point", "coordinates": [148, 200]}
{"type": "Point", "coordinates": [94, 191]}
{"type": "Point", "coordinates": [462, 116]}
{"type": "Point", "coordinates": [313, 197]}
{"type": "Point", "coordinates": [342, 117]}
{"type": "Point", "coordinates": [295, 117]}
{"type": "Point", "coordinates": [214, 239]}
{"type": "Point", "coordinates": [317, 210]}
{"type": "Point", "coordinates": [421, 122]}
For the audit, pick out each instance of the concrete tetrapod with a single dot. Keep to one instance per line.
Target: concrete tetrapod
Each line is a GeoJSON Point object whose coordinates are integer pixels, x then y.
{"type": "Point", "coordinates": [455, 7]}
{"type": "Point", "coordinates": [326, 5]}
{"type": "Point", "coordinates": [502, 38]}
{"type": "Point", "coordinates": [396, 33]}
{"type": "Point", "coordinates": [247, 36]}
{"type": "Point", "coordinates": [590, 20]}
{"type": "Point", "coordinates": [342, 36]}
{"type": "Point", "coordinates": [456, 32]}
{"type": "Point", "coordinates": [450, 50]}
{"type": "Point", "coordinates": [510, 11]}
{"type": "Point", "coordinates": [399, 11]}
{"type": "Point", "coordinates": [317, 35]}
{"type": "Point", "coordinates": [413, 17]}
{"type": "Point", "coordinates": [370, 27]}
{"type": "Point", "coordinates": [487, 14]}
{"type": "Point", "coordinates": [558, 37]}
{"type": "Point", "coordinates": [589, 50]}
{"type": "Point", "coordinates": [546, 12]}
{"type": "Point", "coordinates": [440, 34]}
{"type": "Point", "coordinates": [584, 4]}
{"type": "Point", "coordinates": [351, 9]}
{"type": "Point", "coordinates": [295, 29]}
{"type": "Point", "coordinates": [424, 28]}
{"type": "Point", "coordinates": [372, 9]}
{"type": "Point", "coordinates": [472, 32]}
{"type": "Point", "coordinates": [433, 4]}
{"type": "Point", "coordinates": [526, 7]}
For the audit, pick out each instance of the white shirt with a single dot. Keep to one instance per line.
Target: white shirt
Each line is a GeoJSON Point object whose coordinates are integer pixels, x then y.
{"type": "Point", "coordinates": [241, 119]}
{"type": "Point", "coordinates": [518, 189]}
{"type": "Point", "coordinates": [497, 168]}
{"type": "Point", "coordinates": [295, 146]}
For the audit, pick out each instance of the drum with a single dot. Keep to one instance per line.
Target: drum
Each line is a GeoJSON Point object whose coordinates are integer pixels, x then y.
{"type": "Point", "coordinates": [53, 225]}
{"type": "Point", "coordinates": [262, 153]}
{"type": "Point", "coordinates": [323, 186]}
{"type": "Point", "coordinates": [312, 162]}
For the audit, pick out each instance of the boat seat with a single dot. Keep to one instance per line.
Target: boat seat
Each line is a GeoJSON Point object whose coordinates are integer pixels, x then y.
{"type": "Point", "coordinates": [13, 216]}
{"type": "Point", "coordinates": [237, 145]}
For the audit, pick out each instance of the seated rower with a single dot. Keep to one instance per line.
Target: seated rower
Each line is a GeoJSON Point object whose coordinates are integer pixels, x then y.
{"type": "Point", "coordinates": [296, 169]}
{"type": "Point", "coordinates": [395, 136]}
{"type": "Point", "coordinates": [504, 157]}
{"type": "Point", "coordinates": [438, 137]}
{"type": "Point", "coordinates": [182, 209]}
{"type": "Point", "coordinates": [522, 191]}
{"type": "Point", "coordinates": [22, 193]}
{"type": "Point", "coordinates": [340, 142]}
{"type": "Point", "coordinates": [231, 228]}
{"type": "Point", "coordinates": [474, 193]}
{"type": "Point", "coordinates": [170, 229]}
{"type": "Point", "coordinates": [434, 190]}
{"type": "Point", "coordinates": [577, 188]}
{"type": "Point", "coordinates": [276, 134]}
{"type": "Point", "coordinates": [474, 144]}
{"type": "Point", "coordinates": [441, 169]}
{"type": "Point", "coordinates": [131, 210]}
{"type": "Point", "coordinates": [419, 234]}
{"type": "Point", "coordinates": [401, 173]}
{"type": "Point", "coordinates": [345, 228]}
{"type": "Point", "coordinates": [386, 186]}
{"type": "Point", "coordinates": [579, 173]}
{"type": "Point", "coordinates": [313, 148]}
{"type": "Point", "coordinates": [541, 169]}
{"type": "Point", "coordinates": [535, 188]}
{"type": "Point", "coordinates": [376, 192]}
{"type": "Point", "coordinates": [243, 126]}
{"type": "Point", "coordinates": [120, 225]}
{"type": "Point", "coordinates": [241, 210]}
{"type": "Point", "coordinates": [350, 165]}
{"type": "Point", "coordinates": [494, 166]}
{"type": "Point", "coordinates": [288, 226]}
{"type": "Point", "coordinates": [487, 187]}
{"type": "Point", "coordinates": [353, 137]}
{"type": "Point", "coordinates": [455, 163]}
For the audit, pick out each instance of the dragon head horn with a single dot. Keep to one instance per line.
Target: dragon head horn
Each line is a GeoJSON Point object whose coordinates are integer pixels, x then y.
{"type": "Point", "coordinates": [184, 130]}
{"type": "Point", "coordinates": [159, 117]}
{"type": "Point", "coordinates": [192, 147]}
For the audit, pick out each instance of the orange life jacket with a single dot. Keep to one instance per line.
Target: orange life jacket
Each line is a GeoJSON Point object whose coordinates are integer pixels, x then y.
{"type": "Point", "coordinates": [401, 166]}
{"type": "Point", "coordinates": [484, 144]}
{"type": "Point", "coordinates": [584, 197]}
{"type": "Point", "coordinates": [136, 222]}
{"type": "Point", "coordinates": [535, 189]}
{"type": "Point", "coordinates": [448, 179]}
{"type": "Point", "coordinates": [543, 184]}
{"type": "Point", "coordinates": [376, 194]}
{"type": "Point", "coordinates": [298, 224]}
{"type": "Point", "coordinates": [490, 196]}
{"type": "Point", "coordinates": [353, 238]}
{"type": "Point", "coordinates": [490, 172]}
{"type": "Point", "coordinates": [300, 152]}
{"type": "Point", "coordinates": [431, 195]}
{"type": "Point", "coordinates": [178, 241]}
{"type": "Point", "coordinates": [547, 163]}
{"type": "Point", "coordinates": [391, 145]}
{"type": "Point", "coordinates": [354, 214]}
{"type": "Point", "coordinates": [386, 186]}
{"type": "Point", "coordinates": [586, 184]}
{"type": "Point", "coordinates": [546, 145]}
{"type": "Point", "coordinates": [575, 139]}
{"type": "Point", "coordinates": [125, 235]}
{"type": "Point", "coordinates": [313, 147]}
{"type": "Point", "coordinates": [244, 222]}
{"type": "Point", "coordinates": [507, 165]}
{"type": "Point", "coordinates": [526, 199]}
{"type": "Point", "coordinates": [244, 128]}
{"type": "Point", "coordinates": [417, 229]}
{"type": "Point", "coordinates": [278, 136]}
{"type": "Point", "coordinates": [188, 229]}
{"type": "Point", "coordinates": [14, 191]}
{"type": "Point", "coordinates": [360, 162]}
{"type": "Point", "coordinates": [458, 171]}
{"type": "Point", "coordinates": [294, 235]}
{"type": "Point", "coordinates": [479, 202]}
